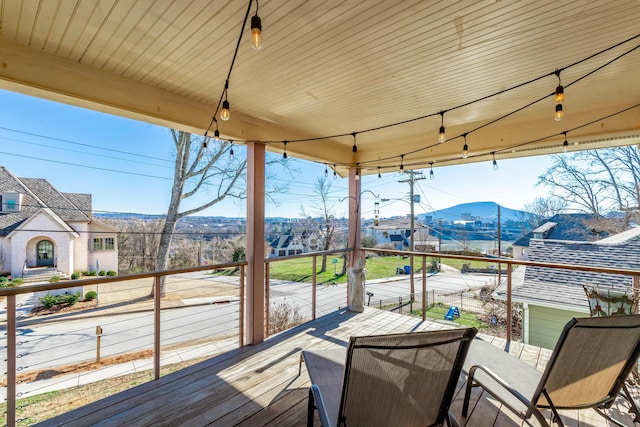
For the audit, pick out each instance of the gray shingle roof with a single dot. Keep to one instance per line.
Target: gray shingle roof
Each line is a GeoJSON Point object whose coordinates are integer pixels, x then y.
{"type": "Point", "coordinates": [39, 194]}
{"type": "Point", "coordinates": [568, 227]}
{"type": "Point", "coordinates": [557, 286]}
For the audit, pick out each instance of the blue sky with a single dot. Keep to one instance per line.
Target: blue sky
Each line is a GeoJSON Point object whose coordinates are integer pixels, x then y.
{"type": "Point", "coordinates": [127, 166]}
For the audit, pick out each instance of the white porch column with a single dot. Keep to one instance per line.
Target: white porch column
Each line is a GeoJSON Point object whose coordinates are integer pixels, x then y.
{"type": "Point", "coordinates": [255, 243]}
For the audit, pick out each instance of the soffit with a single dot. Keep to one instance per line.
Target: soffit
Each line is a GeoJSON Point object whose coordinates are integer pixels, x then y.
{"type": "Point", "coordinates": [336, 67]}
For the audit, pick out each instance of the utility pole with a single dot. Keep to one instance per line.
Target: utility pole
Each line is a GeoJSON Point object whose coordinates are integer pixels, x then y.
{"type": "Point", "coordinates": [411, 180]}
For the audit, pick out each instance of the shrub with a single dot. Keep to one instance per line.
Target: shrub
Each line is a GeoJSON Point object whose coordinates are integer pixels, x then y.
{"type": "Point", "coordinates": [54, 279]}
{"type": "Point", "coordinates": [111, 273]}
{"type": "Point", "coordinates": [16, 282]}
{"type": "Point", "coordinates": [48, 300]}
{"type": "Point", "coordinates": [102, 273]}
{"type": "Point", "coordinates": [70, 299]}
{"type": "Point", "coordinates": [3, 282]}
{"type": "Point", "coordinates": [90, 296]}
{"type": "Point", "coordinates": [91, 273]}
{"type": "Point", "coordinates": [75, 275]}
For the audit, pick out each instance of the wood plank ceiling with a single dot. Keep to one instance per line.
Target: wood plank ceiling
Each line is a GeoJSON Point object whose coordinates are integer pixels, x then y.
{"type": "Point", "coordinates": [335, 67]}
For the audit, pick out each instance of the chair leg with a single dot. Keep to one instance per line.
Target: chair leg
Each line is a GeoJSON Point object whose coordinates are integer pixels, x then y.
{"type": "Point", "coordinates": [467, 392]}
{"type": "Point", "coordinates": [633, 408]}
{"type": "Point", "coordinates": [300, 365]}
{"type": "Point", "coordinates": [311, 406]}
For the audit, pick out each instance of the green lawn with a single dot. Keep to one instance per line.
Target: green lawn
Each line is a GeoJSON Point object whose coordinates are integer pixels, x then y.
{"type": "Point", "coordinates": [299, 269]}
{"type": "Point", "coordinates": [465, 319]}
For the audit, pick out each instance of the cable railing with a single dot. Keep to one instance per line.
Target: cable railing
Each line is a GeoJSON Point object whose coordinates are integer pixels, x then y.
{"type": "Point", "coordinates": [133, 330]}
{"type": "Point", "coordinates": [189, 318]}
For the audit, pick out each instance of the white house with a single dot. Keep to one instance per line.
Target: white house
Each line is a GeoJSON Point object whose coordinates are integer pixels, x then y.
{"type": "Point", "coordinates": [42, 228]}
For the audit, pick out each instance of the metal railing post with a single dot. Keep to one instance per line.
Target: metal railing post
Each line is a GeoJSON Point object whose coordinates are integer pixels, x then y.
{"type": "Point", "coordinates": [11, 360]}
{"type": "Point", "coordinates": [266, 299]}
{"type": "Point", "coordinates": [156, 327]}
{"type": "Point", "coordinates": [424, 287]}
{"type": "Point", "coordinates": [241, 308]}
{"type": "Point", "coordinates": [313, 288]}
{"type": "Point", "coordinates": [509, 314]}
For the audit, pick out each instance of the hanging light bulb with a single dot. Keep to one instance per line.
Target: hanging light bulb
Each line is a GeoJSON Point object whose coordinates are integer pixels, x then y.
{"type": "Point", "coordinates": [357, 178]}
{"type": "Point", "coordinates": [379, 174]}
{"type": "Point", "coordinates": [431, 174]}
{"type": "Point", "coordinates": [284, 153]}
{"type": "Point", "coordinates": [231, 153]}
{"type": "Point", "coordinates": [256, 30]}
{"type": "Point", "coordinates": [335, 174]}
{"type": "Point", "coordinates": [355, 147]}
{"type": "Point", "coordinates": [204, 146]}
{"type": "Point", "coordinates": [326, 170]}
{"type": "Point", "coordinates": [402, 163]}
{"type": "Point", "coordinates": [225, 114]}
{"type": "Point", "coordinates": [495, 164]}
{"type": "Point", "coordinates": [559, 89]}
{"type": "Point", "coordinates": [465, 149]}
{"type": "Point", "coordinates": [441, 136]}
{"type": "Point", "coordinates": [559, 112]}
{"type": "Point", "coordinates": [565, 144]}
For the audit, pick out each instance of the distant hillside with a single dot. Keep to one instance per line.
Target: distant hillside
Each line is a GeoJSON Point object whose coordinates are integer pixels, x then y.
{"type": "Point", "coordinates": [485, 210]}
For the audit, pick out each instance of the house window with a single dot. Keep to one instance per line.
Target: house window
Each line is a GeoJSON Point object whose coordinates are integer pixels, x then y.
{"type": "Point", "coordinates": [109, 243]}
{"type": "Point", "coordinates": [97, 243]}
{"type": "Point", "coordinates": [11, 205]}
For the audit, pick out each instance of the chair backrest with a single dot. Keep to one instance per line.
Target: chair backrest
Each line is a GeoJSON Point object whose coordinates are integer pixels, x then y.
{"type": "Point", "coordinates": [590, 362]}
{"type": "Point", "coordinates": [402, 379]}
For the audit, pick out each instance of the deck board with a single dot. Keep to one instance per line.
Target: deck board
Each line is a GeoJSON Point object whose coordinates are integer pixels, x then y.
{"type": "Point", "coordinates": [259, 385]}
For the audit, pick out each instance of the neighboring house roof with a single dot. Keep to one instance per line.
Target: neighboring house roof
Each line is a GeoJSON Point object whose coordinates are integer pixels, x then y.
{"type": "Point", "coordinates": [281, 241]}
{"type": "Point", "coordinates": [564, 227]}
{"type": "Point", "coordinates": [564, 288]}
{"type": "Point", "coordinates": [39, 194]}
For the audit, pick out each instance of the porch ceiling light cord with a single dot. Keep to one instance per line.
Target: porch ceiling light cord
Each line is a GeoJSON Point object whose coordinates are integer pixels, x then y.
{"type": "Point", "coordinates": [233, 61]}
{"type": "Point", "coordinates": [441, 135]}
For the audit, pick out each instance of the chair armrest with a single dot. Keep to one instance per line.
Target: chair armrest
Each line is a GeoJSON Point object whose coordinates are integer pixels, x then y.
{"type": "Point", "coordinates": [321, 406]}
{"type": "Point", "coordinates": [500, 381]}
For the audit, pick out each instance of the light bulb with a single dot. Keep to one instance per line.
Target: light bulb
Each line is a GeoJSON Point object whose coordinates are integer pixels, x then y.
{"type": "Point", "coordinates": [559, 94]}
{"type": "Point", "coordinates": [326, 171]}
{"type": "Point", "coordinates": [335, 174]}
{"type": "Point", "coordinates": [231, 154]}
{"type": "Point", "coordinates": [565, 144]}
{"type": "Point", "coordinates": [357, 175]}
{"type": "Point", "coordinates": [465, 151]}
{"type": "Point", "coordinates": [224, 113]}
{"type": "Point", "coordinates": [379, 174]}
{"type": "Point", "coordinates": [441, 136]}
{"type": "Point", "coordinates": [284, 153]}
{"type": "Point", "coordinates": [431, 175]}
{"type": "Point", "coordinates": [216, 135]}
{"type": "Point", "coordinates": [256, 32]}
{"type": "Point", "coordinates": [204, 147]}
{"type": "Point", "coordinates": [559, 113]}
{"type": "Point", "coordinates": [495, 165]}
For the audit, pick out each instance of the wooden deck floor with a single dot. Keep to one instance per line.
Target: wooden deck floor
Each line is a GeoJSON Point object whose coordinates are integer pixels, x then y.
{"type": "Point", "coordinates": [260, 386]}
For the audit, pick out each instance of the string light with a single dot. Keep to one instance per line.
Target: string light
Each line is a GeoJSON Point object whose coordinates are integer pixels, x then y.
{"type": "Point", "coordinates": [379, 174]}
{"type": "Point", "coordinates": [335, 174]}
{"type": "Point", "coordinates": [284, 153]}
{"type": "Point", "coordinates": [559, 98]}
{"type": "Point", "coordinates": [565, 144]}
{"type": "Point", "coordinates": [401, 163]}
{"type": "Point", "coordinates": [441, 136]}
{"type": "Point", "coordinates": [465, 149]}
{"type": "Point", "coordinates": [355, 147]}
{"type": "Point", "coordinates": [225, 114]}
{"type": "Point", "coordinates": [231, 153]}
{"type": "Point", "coordinates": [357, 178]}
{"type": "Point", "coordinates": [431, 174]}
{"type": "Point", "coordinates": [495, 164]}
{"type": "Point", "coordinates": [256, 30]}
{"type": "Point", "coordinates": [326, 170]}
{"type": "Point", "coordinates": [204, 146]}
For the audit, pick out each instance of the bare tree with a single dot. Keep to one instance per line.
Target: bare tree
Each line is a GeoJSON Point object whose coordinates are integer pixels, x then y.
{"type": "Point", "coordinates": [540, 209]}
{"type": "Point", "coordinates": [137, 244]}
{"type": "Point", "coordinates": [597, 181]}
{"type": "Point", "coordinates": [324, 220]}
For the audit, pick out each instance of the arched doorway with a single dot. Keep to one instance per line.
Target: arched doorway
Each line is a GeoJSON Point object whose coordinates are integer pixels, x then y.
{"type": "Point", "coordinates": [44, 251]}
